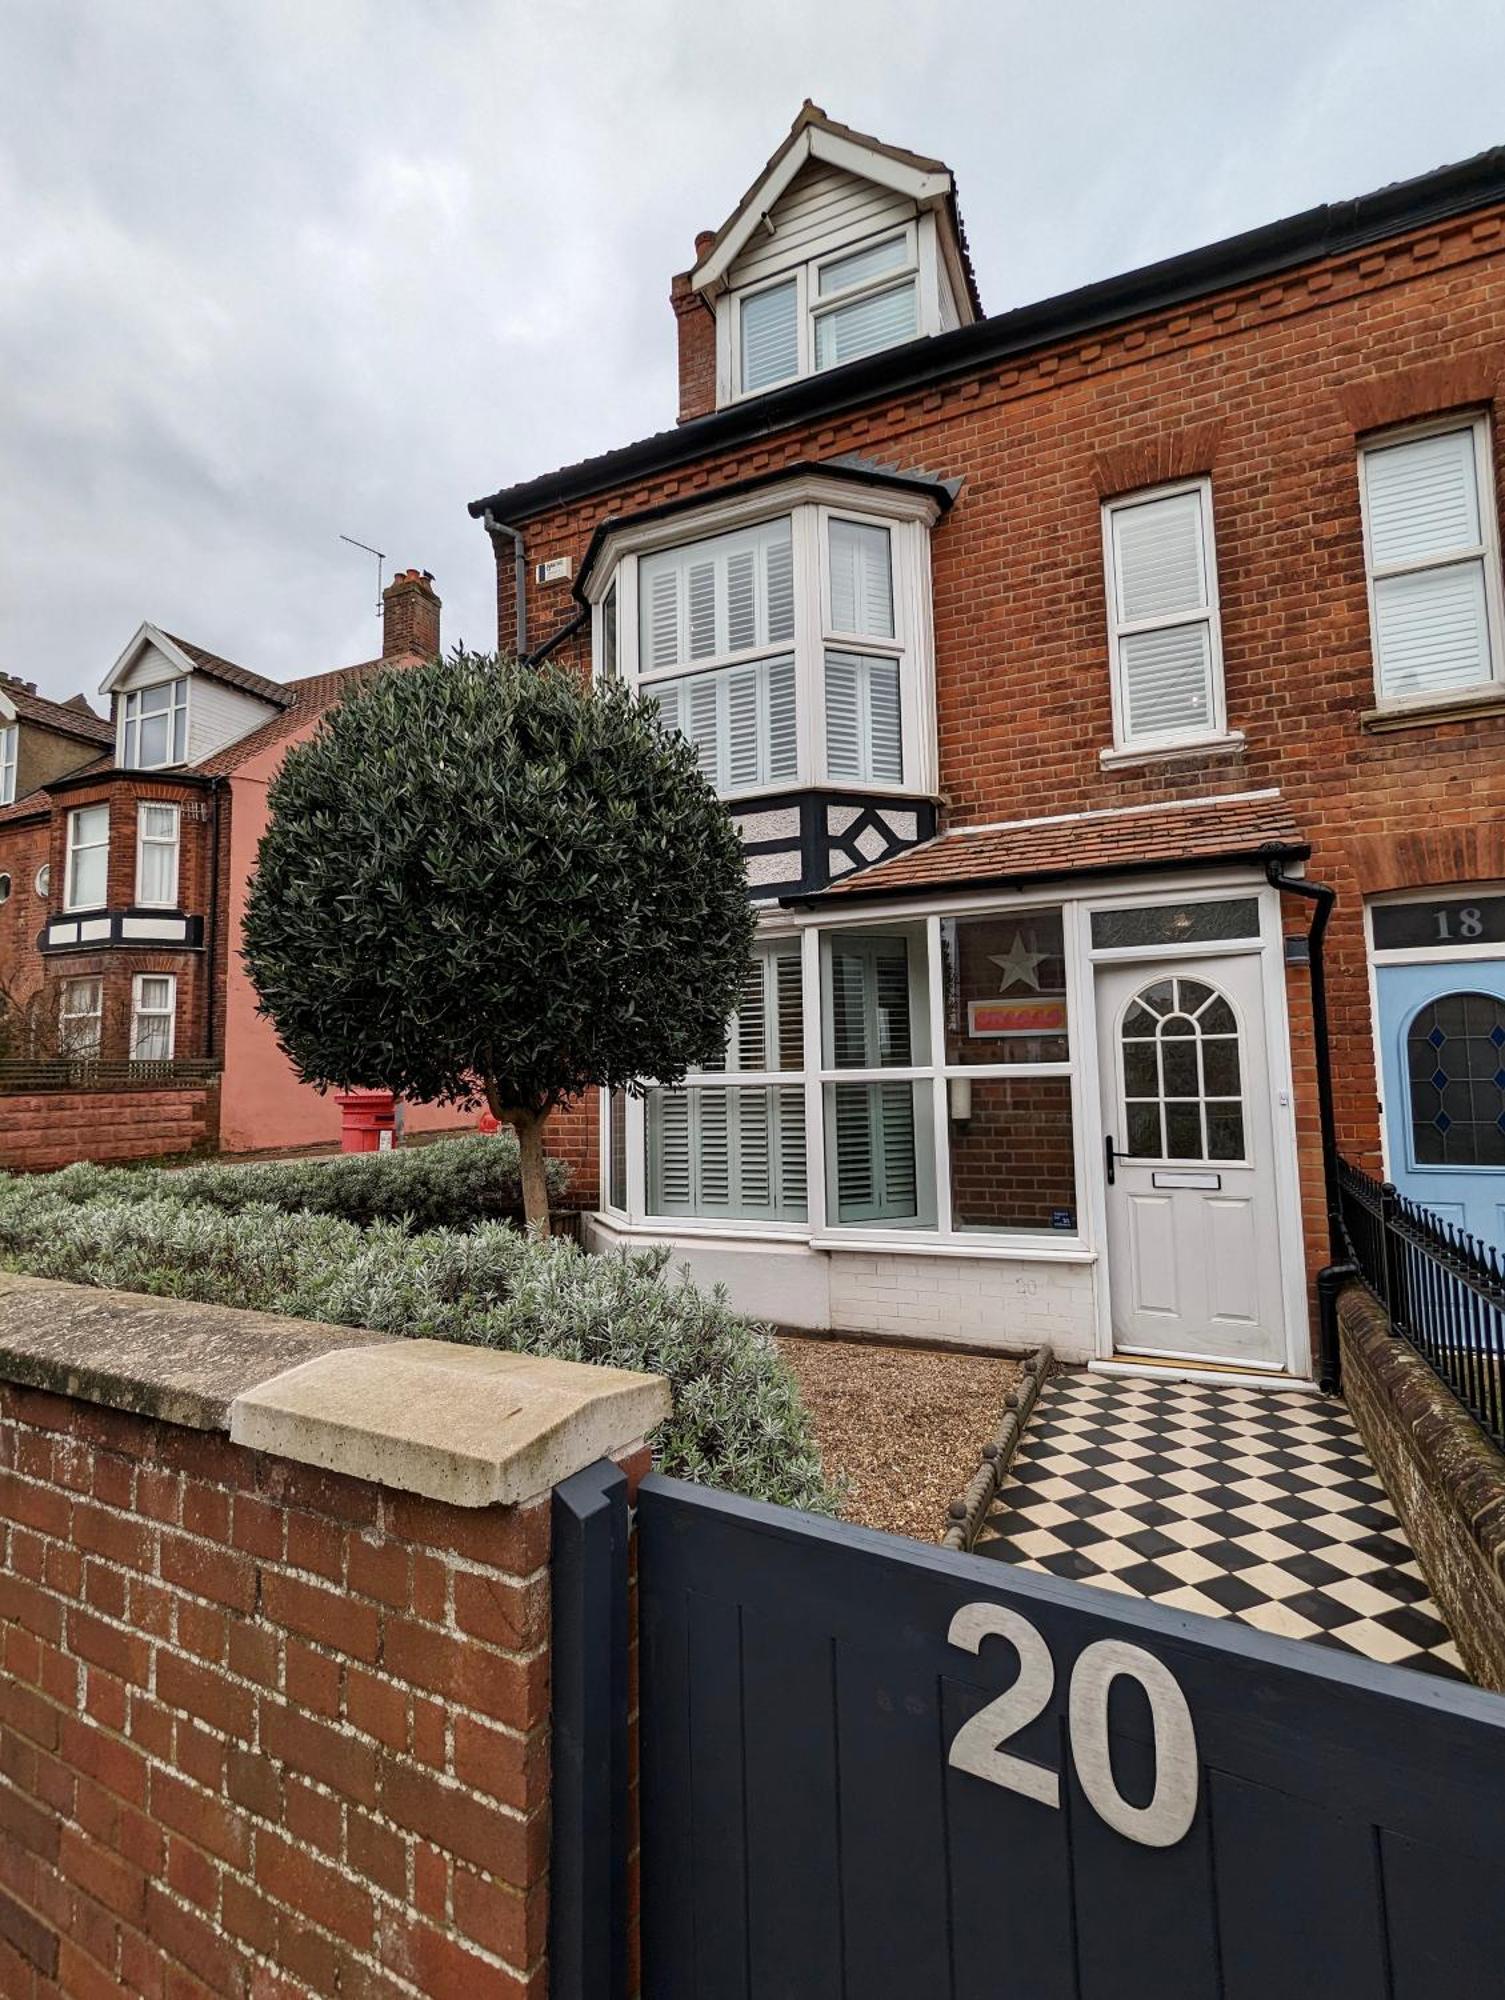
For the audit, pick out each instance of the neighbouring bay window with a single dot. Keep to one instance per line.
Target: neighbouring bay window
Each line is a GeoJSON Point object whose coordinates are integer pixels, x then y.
{"type": "Point", "coordinates": [154, 726]}
{"type": "Point", "coordinates": [81, 1018]}
{"type": "Point", "coordinates": [1163, 628]}
{"type": "Point", "coordinates": [791, 651]}
{"type": "Point", "coordinates": [158, 837]}
{"type": "Point", "coordinates": [10, 737]}
{"type": "Point", "coordinates": [154, 1006]}
{"type": "Point", "coordinates": [939, 1096]}
{"type": "Point", "coordinates": [1432, 544]}
{"type": "Point", "coordinates": [87, 882]}
{"type": "Point", "coordinates": [731, 1142]}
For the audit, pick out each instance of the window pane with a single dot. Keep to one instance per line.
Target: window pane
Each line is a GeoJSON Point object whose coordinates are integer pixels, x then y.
{"type": "Point", "coordinates": [1012, 1157]}
{"type": "Point", "coordinates": [862, 591]}
{"type": "Point", "coordinates": [1176, 923]}
{"type": "Point", "coordinates": [1432, 630]}
{"type": "Point", "coordinates": [877, 1002]}
{"type": "Point", "coordinates": [1166, 680]}
{"type": "Point", "coordinates": [726, 1150]}
{"type": "Point", "coordinates": [879, 1146]}
{"type": "Point", "coordinates": [770, 336]}
{"type": "Point", "coordinates": [845, 333]}
{"type": "Point", "coordinates": [8, 739]}
{"type": "Point", "coordinates": [616, 1148]}
{"type": "Point", "coordinates": [609, 634]}
{"type": "Point", "coordinates": [1005, 989]}
{"type": "Point", "coordinates": [861, 265]}
{"type": "Point", "coordinates": [727, 594]}
{"type": "Point", "coordinates": [742, 721]}
{"type": "Point", "coordinates": [152, 742]}
{"type": "Point", "coordinates": [864, 723]}
{"type": "Point", "coordinates": [1455, 1053]}
{"type": "Point", "coordinates": [1423, 498]}
{"type": "Point", "coordinates": [1158, 554]}
{"type": "Point", "coordinates": [88, 859]}
{"type": "Point", "coordinates": [80, 1017]}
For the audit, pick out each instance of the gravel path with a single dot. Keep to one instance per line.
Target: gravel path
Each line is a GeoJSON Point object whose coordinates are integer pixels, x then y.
{"type": "Point", "coordinates": [902, 1425]}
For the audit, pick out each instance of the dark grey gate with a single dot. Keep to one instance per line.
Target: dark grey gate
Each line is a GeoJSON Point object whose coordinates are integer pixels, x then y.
{"type": "Point", "coordinates": [1327, 1828]}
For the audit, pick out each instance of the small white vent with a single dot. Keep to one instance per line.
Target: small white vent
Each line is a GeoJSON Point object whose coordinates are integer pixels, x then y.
{"type": "Point", "coordinates": [555, 570]}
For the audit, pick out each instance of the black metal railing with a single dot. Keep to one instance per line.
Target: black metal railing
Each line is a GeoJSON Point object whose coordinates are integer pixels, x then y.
{"type": "Point", "coordinates": [1443, 1290]}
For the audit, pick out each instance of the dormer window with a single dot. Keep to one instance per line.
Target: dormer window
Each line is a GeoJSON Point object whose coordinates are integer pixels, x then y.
{"type": "Point", "coordinates": [832, 310]}
{"type": "Point", "coordinates": [154, 726]}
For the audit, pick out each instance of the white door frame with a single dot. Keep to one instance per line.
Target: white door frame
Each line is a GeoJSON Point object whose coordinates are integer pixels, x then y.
{"type": "Point", "coordinates": [1278, 1080]}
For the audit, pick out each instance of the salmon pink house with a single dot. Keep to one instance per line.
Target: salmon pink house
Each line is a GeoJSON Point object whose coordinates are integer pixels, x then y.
{"type": "Point", "coordinates": [1084, 679]}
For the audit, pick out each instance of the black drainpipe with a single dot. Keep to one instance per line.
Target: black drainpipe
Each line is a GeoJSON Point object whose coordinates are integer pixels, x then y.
{"type": "Point", "coordinates": [566, 631]}
{"type": "Point", "coordinates": [519, 579]}
{"type": "Point", "coordinates": [211, 914]}
{"type": "Point", "coordinates": [1341, 1267]}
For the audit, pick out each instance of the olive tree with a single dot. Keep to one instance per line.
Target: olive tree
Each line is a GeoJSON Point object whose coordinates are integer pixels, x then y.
{"type": "Point", "coordinates": [486, 882]}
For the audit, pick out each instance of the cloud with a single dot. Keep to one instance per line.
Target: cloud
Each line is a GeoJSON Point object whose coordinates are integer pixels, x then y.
{"type": "Point", "coordinates": [277, 272]}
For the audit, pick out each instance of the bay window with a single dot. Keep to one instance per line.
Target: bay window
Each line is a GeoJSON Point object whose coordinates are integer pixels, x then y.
{"type": "Point", "coordinates": [792, 650]}
{"type": "Point", "coordinates": [895, 1080]}
{"type": "Point", "coordinates": [81, 1018]}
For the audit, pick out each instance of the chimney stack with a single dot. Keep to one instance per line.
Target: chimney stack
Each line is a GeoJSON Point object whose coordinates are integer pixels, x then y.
{"type": "Point", "coordinates": [410, 616]}
{"type": "Point", "coordinates": [697, 340]}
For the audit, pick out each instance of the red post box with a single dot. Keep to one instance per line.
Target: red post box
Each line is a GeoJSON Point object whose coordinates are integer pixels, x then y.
{"type": "Point", "coordinates": [368, 1120]}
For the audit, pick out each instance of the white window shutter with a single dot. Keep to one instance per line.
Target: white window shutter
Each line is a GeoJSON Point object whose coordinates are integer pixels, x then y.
{"type": "Point", "coordinates": [663, 619]}
{"type": "Point", "coordinates": [1166, 680]}
{"type": "Point", "coordinates": [754, 1149]}
{"type": "Point", "coordinates": [673, 1135]}
{"type": "Point", "coordinates": [793, 1189]}
{"type": "Point", "coordinates": [702, 597]}
{"type": "Point", "coordinates": [779, 560]}
{"type": "Point", "coordinates": [751, 1045]}
{"type": "Point", "coordinates": [843, 718]}
{"type": "Point", "coordinates": [790, 1011]}
{"type": "Point", "coordinates": [1423, 498]}
{"type": "Point", "coordinates": [713, 1153]}
{"type": "Point", "coordinates": [895, 1108]}
{"type": "Point", "coordinates": [885, 728]}
{"type": "Point", "coordinates": [862, 591]}
{"type": "Point", "coordinates": [855, 1187]}
{"type": "Point", "coordinates": [1159, 558]}
{"type": "Point", "coordinates": [864, 727]}
{"type": "Point", "coordinates": [770, 336]}
{"type": "Point", "coordinates": [1432, 629]}
{"type": "Point", "coordinates": [743, 761]}
{"type": "Point", "coordinates": [741, 601]}
{"type": "Point", "coordinates": [783, 722]}
{"type": "Point", "coordinates": [882, 319]}
{"type": "Point", "coordinates": [702, 725]}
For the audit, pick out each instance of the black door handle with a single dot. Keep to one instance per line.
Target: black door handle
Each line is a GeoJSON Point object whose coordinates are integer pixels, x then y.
{"type": "Point", "coordinates": [1108, 1155]}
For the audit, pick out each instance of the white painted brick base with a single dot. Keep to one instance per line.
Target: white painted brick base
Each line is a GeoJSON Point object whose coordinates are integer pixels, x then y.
{"type": "Point", "coordinates": [995, 1302]}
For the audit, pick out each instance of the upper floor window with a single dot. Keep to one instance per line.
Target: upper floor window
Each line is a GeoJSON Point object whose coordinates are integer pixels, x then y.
{"type": "Point", "coordinates": [10, 737]}
{"type": "Point", "coordinates": [158, 838]}
{"type": "Point", "coordinates": [828, 311]}
{"type": "Point", "coordinates": [87, 883]}
{"type": "Point", "coordinates": [1163, 627]}
{"type": "Point", "coordinates": [154, 726]}
{"type": "Point", "coordinates": [791, 651]}
{"type": "Point", "coordinates": [1432, 547]}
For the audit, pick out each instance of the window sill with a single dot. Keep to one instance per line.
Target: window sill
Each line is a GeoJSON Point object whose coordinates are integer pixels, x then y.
{"type": "Point", "coordinates": [1460, 707]}
{"type": "Point", "coordinates": [1067, 1249]}
{"type": "Point", "coordinates": [1227, 745]}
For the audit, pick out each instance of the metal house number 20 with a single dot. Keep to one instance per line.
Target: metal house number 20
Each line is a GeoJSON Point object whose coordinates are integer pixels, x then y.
{"type": "Point", "coordinates": [977, 1745]}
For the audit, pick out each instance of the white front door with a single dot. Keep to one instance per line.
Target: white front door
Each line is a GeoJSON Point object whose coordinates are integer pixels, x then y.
{"type": "Point", "coordinates": [1193, 1229]}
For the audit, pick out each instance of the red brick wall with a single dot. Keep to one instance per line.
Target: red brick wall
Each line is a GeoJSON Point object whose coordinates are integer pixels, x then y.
{"type": "Point", "coordinates": [1267, 387]}
{"type": "Point", "coordinates": [52, 1128]}
{"type": "Point", "coordinates": [695, 326]}
{"type": "Point", "coordinates": [263, 1730]}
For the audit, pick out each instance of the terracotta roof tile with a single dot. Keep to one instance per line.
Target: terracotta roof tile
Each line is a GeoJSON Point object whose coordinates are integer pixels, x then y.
{"type": "Point", "coordinates": [307, 700]}
{"type": "Point", "coordinates": [71, 718]}
{"type": "Point", "coordinates": [232, 675]}
{"type": "Point", "coordinates": [1081, 844]}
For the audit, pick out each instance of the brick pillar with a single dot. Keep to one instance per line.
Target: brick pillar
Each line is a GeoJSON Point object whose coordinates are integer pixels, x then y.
{"type": "Point", "coordinates": [275, 1702]}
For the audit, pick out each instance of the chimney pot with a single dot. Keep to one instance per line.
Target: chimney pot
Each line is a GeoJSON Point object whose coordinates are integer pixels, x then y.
{"type": "Point", "coordinates": [704, 238]}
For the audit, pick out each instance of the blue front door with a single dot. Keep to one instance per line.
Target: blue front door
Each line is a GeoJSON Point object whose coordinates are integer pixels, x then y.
{"type": "Point", "coordinates": [1442, 1035]}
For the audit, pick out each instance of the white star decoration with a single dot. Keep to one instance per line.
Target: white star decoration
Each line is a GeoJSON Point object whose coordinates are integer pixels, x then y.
{"type": "Point", "coordinates": [1018, 966]}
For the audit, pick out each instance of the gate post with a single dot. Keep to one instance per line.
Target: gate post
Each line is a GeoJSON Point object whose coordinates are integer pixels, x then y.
{"type": "Point", "coordinates": [588, 1905]}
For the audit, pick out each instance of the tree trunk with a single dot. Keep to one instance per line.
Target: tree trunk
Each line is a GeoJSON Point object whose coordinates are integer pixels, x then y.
{"type": "Point", "coordinates": [529, 1126]}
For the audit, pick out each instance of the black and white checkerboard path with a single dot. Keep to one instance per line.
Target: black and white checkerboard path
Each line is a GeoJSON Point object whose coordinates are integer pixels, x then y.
{"type": "Point", "coordinates": [1259, 1505]}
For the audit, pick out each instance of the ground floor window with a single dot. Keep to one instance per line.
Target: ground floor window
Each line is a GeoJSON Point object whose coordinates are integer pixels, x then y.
{"type": "Point", "coordinates": [154, 1004]}
{"type": "Point", "coordinates": [81, 1018]}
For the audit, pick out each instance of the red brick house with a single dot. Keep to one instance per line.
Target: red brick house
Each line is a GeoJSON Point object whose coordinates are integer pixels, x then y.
{"type": "Point", "coordinates": [124, 858]}
{"type": "Point", "coordinates": [1037, 656]}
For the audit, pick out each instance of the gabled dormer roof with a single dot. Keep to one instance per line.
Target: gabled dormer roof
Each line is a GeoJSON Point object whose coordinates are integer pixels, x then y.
{"type": "Point", "coordinates": [929, 183]}
{"type": "Point", "coordinates": [191, 659]}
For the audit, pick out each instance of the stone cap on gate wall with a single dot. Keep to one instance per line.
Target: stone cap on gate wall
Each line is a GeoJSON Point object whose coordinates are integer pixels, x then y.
{"type": "Point", "coordinates": [465, 1425]}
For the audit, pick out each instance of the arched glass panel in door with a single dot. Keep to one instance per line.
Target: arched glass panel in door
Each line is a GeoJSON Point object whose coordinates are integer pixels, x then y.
{"type": "Point", "coordinates": [1183, 1073]}
{"type": "Point", "coordinates": [1455, 1063]}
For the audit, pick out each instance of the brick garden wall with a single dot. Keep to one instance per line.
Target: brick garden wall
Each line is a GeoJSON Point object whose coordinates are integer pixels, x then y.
{"type": "Point", "coordinates": [263, 1730]}
{"type": "Point", "coordinates": [51, 1128]}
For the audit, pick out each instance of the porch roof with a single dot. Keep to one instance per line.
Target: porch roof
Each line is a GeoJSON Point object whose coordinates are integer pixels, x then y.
{"type": "Point", "coordinates": [1247, 827]}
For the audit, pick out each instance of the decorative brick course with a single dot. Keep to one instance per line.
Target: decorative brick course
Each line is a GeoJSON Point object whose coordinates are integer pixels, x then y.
{"type": "Point", "coordinates": [223, 1764]}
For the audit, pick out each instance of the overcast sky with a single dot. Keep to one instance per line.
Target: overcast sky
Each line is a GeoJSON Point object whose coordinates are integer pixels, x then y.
{"type": "Point", "coordinates": [276, 270]}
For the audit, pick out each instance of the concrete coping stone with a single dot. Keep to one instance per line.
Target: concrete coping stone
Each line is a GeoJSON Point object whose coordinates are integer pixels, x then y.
{"type": "Point", "coordinates": [466, 1425]}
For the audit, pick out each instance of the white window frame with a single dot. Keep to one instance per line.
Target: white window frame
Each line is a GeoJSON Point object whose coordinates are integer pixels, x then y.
{"type": "Point", "coordinates": [66, 1014]}
{"type": "Point", "coordinates": [129, 753]}
{"type": "Point", "coordinates": [811, 503]}
{"type": "Point", "coordinates": [139, 1013]}
{"type": "Point", "coordinates": [1216, 730]}
{"type": "Point", "coordinates": [10, 757]}
{"type": "Point", "coordinates": [1488, 552]}
{"type": "Point", "coordinates": [810, 305]}
{"type": "Point", "coordinates": [145, 840]}
{"type": "Point", "coordinates": [76, 847]}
